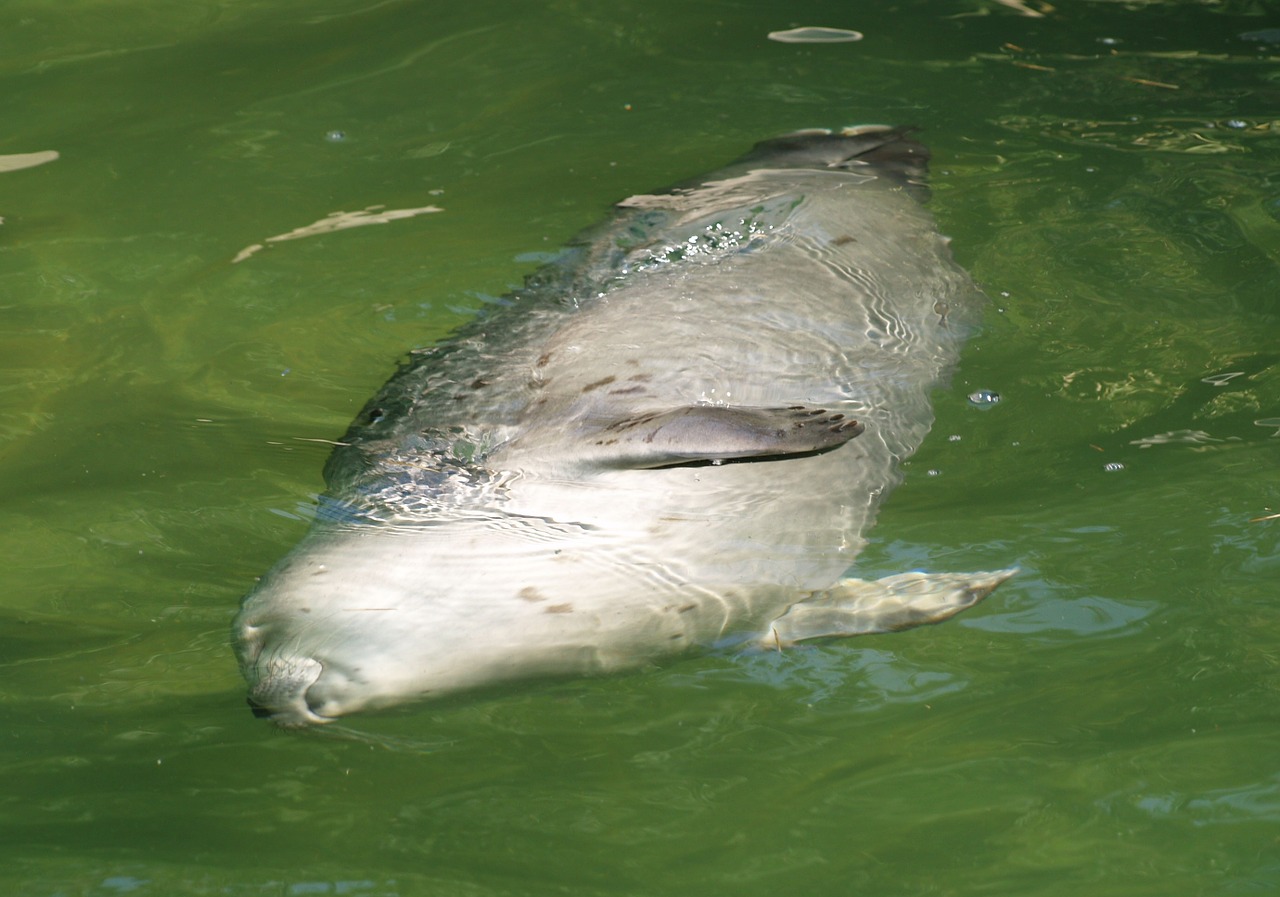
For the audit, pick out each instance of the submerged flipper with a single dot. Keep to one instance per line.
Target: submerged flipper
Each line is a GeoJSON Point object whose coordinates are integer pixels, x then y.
{"type": "Point", "coordinates": [717, 433]}
{"type": "Point", "coordinates": [857, 607]}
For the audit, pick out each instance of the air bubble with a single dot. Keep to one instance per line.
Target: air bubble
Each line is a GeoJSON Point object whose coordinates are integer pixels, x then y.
{"type": "Point", "coordinates": [1111, 466]}
{"type": "Point", "coordinates": [983, 398]}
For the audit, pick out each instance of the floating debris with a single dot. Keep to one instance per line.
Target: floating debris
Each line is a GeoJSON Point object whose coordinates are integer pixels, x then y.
{"type": "Point", "coordinates": [815, 35]}
{"type": "Point", "coordinates": [1025, 10]}
{"type": "Point", "coordinates": [1185, 437]}
{"type": "Point", "coordinates": [1221, 379]}
{"type": "Point", "coordinates": [19, 161]}
{"type": "Point", "coordinates": [1173, 134]}
{"type": "Point", "coordinates": [1265, 35]}
{"type": "Point", "coordinates": [1112, 466]}
{"type": "Point", "coordinates": [337, 221]}
{"type": "Point", "coordinates": [1147, 82]}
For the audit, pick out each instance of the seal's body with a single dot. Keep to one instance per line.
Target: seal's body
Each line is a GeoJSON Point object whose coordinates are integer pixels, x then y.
{"type": "Point", "coordinates": [675, 436]}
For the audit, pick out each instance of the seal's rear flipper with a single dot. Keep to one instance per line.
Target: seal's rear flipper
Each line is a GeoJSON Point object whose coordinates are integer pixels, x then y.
{"type": "Point", "coordinates": [857, 607]}
{"type": "Point", "coordinates": [716, 433]}
{"type": "Point", "coordinates": [872, 148]}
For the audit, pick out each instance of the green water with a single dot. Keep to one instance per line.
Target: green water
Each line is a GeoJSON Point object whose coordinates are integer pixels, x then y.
{"type": "Point", "coordinates": [1106, 724]}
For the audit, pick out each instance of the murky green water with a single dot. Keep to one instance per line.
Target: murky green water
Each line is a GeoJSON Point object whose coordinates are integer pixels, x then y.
{"type": "Point", "coordinates": [1105, 724]}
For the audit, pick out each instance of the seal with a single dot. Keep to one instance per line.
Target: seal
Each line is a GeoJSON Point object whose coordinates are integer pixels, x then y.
{"type": "Point", "coordinates": [675, 435]}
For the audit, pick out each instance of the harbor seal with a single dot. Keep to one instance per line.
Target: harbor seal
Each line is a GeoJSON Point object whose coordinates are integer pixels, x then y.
{"type": "Point", "coordinates": [675, 435]}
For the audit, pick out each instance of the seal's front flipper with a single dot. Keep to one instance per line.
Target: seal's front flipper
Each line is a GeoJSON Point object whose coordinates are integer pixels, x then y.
{"type": "Point", "coordinates": [717, 433]}
{"type": "Point", "coordinates": [856, 607]}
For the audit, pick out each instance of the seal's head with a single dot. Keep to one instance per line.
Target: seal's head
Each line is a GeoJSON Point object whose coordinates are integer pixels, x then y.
{"type": "Point", "coordinates": [359, 618]}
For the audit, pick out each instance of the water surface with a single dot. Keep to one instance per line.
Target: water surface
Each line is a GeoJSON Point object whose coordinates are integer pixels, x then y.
{"type": "Point", "coordinates": [1104, 724]}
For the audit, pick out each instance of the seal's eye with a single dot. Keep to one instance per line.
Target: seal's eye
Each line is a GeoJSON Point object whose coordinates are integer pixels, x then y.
{"type": "Point", "coordinates": [376, 415]}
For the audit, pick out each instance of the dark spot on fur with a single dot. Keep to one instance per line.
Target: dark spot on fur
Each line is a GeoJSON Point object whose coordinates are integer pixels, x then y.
{"type": "Point", "coordinates": [543, 359]}
{"type": "Point", "coordinates": [529, 593]}
{"type": "Point", "coordinates": [836, 417]}
{"type": "Point", "coordinates": [641, 378]}
{"type": "Point", "coordinates": [629, 391]}
{"type": "Point", "coordinates": [479, 383]}
{"type": "Point", "coordinates": [604, 381]}
{"type": "Point", "coordinates": [687, 608]}
{"type": "Point", "coordinates": [558, 609]}
{"type": "Point", "coordinates": [630, 422]}
{"type": "Point", "coordinates": [843, 240]}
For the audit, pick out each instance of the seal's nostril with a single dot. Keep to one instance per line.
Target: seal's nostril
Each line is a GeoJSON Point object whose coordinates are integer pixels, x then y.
{"type": "Point", "coordinates": [316, 703]}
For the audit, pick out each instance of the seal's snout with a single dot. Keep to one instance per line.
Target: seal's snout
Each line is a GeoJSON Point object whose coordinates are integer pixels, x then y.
{"type": "Point", "coordinates": [279, 691]}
